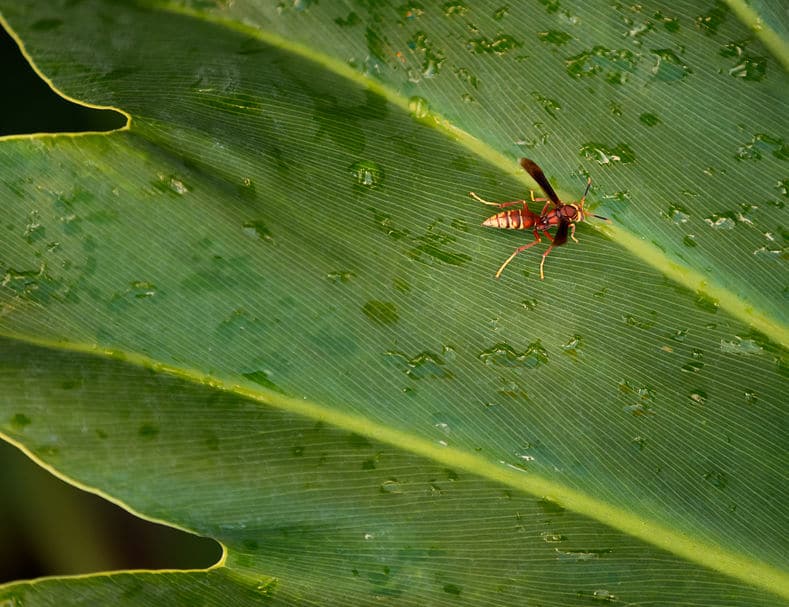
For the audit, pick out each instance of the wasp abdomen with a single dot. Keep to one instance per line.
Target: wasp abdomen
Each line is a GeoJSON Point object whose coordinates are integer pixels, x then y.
{"type": "Point", "coordinates": [519, 219]}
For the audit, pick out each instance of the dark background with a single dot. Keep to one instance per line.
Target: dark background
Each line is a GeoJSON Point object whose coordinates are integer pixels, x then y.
{"type": "Point", "coordinates": [48, 527]}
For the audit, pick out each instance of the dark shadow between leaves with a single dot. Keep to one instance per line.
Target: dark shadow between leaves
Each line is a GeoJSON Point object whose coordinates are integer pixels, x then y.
{"type": "Point", "coordinates": [48, 527]}
{"type": "Point", "coordinates": [30, 106]}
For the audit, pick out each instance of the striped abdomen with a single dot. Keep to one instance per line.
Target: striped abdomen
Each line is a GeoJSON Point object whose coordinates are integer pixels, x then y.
{"type": "Point", "coordinates": [520, 219]}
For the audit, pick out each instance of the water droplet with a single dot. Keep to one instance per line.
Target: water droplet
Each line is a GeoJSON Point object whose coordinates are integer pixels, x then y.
{"type": "Point", "coordinates": [452, 589]}
{"type": "Point", "coordinates": [720, 222]}
{"type": "Point", "coordinates": [177, 186]}
{"type": "Point", "coordinates": [302, 5]}
{"type": "Point", "coordinates": [679, 335]}
{"type": "Point", "coordinates": [649, 119]}
{"type": "Point", "coordinates": [419, 107]}
{"type": "Point", "coordinates": [717, 478]}
{"type": "Point", "coordinates": [549, 105]}
{"type": "Point", "coordinates": [670, 23]}
{"type": "Point", "coordinates": [500, 13]}
{"type": "Point", "coordinates": [552, 537]}
{"type": "Point", "coordinates": [368, 536]}
{"type": "Point", "coordinates": [751, 397]}
{"type": "Point", "coordinates": [644, 397]}
{"type": "Point", "coordinates": [19, 421]}
{"type": "Point", "coordinates": [693, 366]}
{"type": "Point", "coordinates": [551, 6]}
{"type": "Point", "coordinates": [449, 353]}
{"type": "Point", "coordinates": [740, 346]}
{"type": "Point", "coordinates": [690, 240]}
{"type": "Point", "coordinates": [367, 174]}
{"type": "Point", "coordinates": [499, 45]}
{"type": "Point", "coordinates": [255, 228]}
{"type": "Point", "coordinates": [411, 10]}
{"type": "Point", "coordinates": [34, 231]}
{"type": "Point", "coordinates": [639, 322]}
{"type": "Point", "coordinates": [340, 276]}
{"type": "Point", "coordinates": [604, 154]}
{"type": "Point", "coordinates": [783, 187]}
{"type": "Point", "coordinates": [580, 555]}
{"type": "Point", "coordinates": [381, 312]}
{"type": "Point", "coordinates": [511, 389]}
{"type": "Point", "coordinates": [637, 30]}
{"type": "Point", "coordinates": [431, 247]}
{"type": "Point", "coordinates": [383, 223]}
{"type": "Point", "coordinates": [529, 304]}
{"type": "Point", "coordinates": [267, 587]}
{"type": "Point", "coordinates": [443, 427]}
{"type": "Point", "coordinates": [466, 76]}
{"type": "Point", "coordinates": [640, 442]}
{"type": "Point", "coordinates": [556, 37]}
{"type": "Point", "coordinates": [573, 347]}
{"type": "Point", "coordinates": [765, 251]}
{"type": "Point", "coordinates": [262, 378]}
{"type": "Point", "coordinates": [349, 21]}
{"type": "Point", "coordinates": [762, 143]}
{"type": "Point", "coordinates": [391, 486]}
{"type": "Point", "coordinates": [668, 66]}
{"type": "Point", "coordinates": [613, 65]}
{"type": "Point", "coordinates": [698, 397]}
{"type": "Point", "coordinates": [678, 214]}
{"type": "Point", "coordinates": [432, 57]}
{"type": "Point", "coordinates": [710, 21]}
{"type": "Point", "coordinates": [425, 365]}
{"type": "Point", "coordinates": [750, 68]}
{"type": "Point", "coordinates": [141, 289]}
{"type": "Point", "coordinates": [504, 355]}
{"type": "Point", "coordinates": [454, 8]}
{"type": "Point", "coordinates": [603, 595]}
{"type": "Point", "coordinates": [706, 302]}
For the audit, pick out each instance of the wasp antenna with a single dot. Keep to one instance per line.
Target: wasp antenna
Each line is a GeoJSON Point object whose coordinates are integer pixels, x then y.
{"type": "Point", "coordinates": [586, 191]}
{"type": "Point", "coordinates": [601, 217]}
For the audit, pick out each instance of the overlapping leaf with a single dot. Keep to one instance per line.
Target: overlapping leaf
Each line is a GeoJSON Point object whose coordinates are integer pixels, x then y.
{"type": "Point", "coordinates": [265, 312]}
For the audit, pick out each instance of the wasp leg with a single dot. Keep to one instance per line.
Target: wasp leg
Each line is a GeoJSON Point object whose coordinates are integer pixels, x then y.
{"type": "Point", "coordinates": [533, 199]}
{"type": "Point", "coordinates": [501, 205]}
{"type": "Point", "coordinates": [518, 250]}
{"type": "Point", "coordinates": [572, 232]}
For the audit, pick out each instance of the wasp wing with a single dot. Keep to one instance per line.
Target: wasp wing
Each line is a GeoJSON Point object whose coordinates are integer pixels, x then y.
{"type": "Point", "coordinates": [536, 173]}
{"type": "Point", "coordinates": [561, 233]}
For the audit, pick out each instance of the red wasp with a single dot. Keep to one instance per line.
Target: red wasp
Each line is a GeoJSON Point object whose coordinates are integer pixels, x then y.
{"type": "Point", "coordinates": [562, 215]}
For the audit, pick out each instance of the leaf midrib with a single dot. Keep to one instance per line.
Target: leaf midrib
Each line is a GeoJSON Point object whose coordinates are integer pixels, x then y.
{"type": "Point", "coordinates": [712, 556]}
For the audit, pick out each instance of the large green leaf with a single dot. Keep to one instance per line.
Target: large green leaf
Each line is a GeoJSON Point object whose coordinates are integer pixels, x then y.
{"type": "Point", "coordinates": [265, 311]}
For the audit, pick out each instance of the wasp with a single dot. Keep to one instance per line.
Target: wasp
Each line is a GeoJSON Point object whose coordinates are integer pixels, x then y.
{"type": "Point", "coordinates": [562, 216]}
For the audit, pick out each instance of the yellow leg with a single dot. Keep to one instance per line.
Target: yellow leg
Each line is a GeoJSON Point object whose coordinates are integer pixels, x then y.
{"type": "Point", "coordinates": [497, 204]}
{"type": "Point", "coordinates": [518, 250]}
{"type": "Point", "coordinates": [533, 199]}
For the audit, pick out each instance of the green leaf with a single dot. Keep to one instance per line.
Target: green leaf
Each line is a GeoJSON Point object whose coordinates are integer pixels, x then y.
{"type": "Point", "coordinates": [265, 312]}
